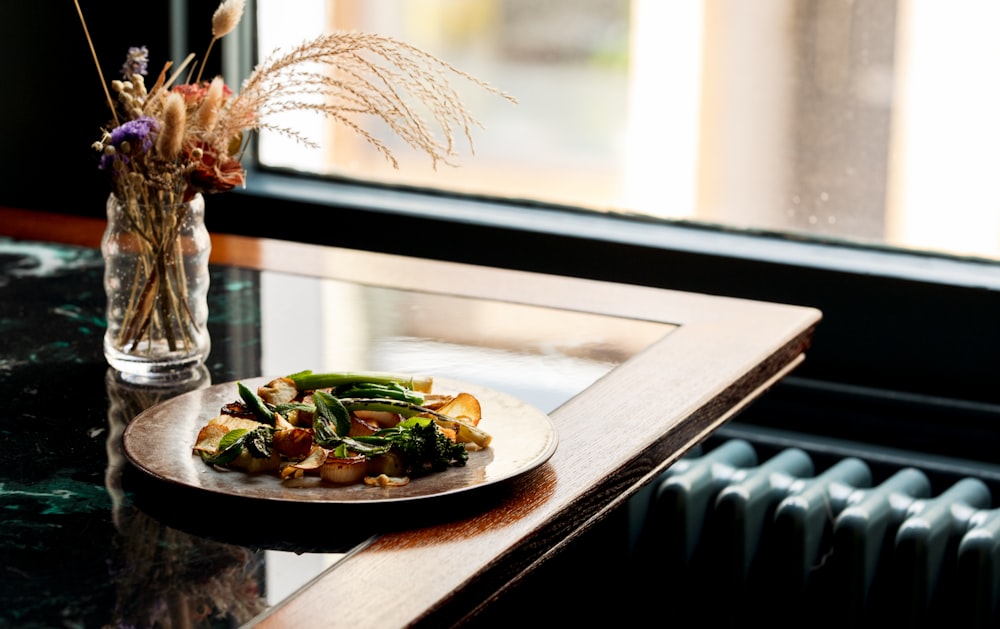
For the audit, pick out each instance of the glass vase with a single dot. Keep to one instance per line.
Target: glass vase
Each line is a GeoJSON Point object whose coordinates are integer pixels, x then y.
{"type": "Point", "coordinates": [156, 282]}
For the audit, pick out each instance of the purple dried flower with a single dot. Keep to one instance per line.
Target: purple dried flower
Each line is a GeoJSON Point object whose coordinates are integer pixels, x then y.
{"type": "Point", "coordinates": [132, 137]}
{"type": "Point", "coordinates": [137, 132]}
{"type": "Point", "coordinates": [136, 62]}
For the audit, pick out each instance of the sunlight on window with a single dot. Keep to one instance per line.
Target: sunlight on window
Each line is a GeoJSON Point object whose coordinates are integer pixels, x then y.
{"type": "Point", "coordinates": [867, 121]}
{"type": "Point", "coordinates": [662, 119]}
{"type": "Point", "coordinates": [946, 126]}
{"type": "Point", "coordinates": [281, 29]}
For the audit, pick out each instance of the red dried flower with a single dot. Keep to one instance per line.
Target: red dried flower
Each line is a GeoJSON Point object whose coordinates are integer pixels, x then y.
{"type": "Point", "coordinates": [214, 172]}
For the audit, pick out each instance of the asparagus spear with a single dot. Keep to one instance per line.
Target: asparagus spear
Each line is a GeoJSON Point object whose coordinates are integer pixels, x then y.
{"type": "Point", "coordinates": [307, 380]}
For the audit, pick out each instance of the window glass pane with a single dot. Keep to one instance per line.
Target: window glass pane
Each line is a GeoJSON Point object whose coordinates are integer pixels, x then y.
{"type": "Point", "coordinates": [870, 121]}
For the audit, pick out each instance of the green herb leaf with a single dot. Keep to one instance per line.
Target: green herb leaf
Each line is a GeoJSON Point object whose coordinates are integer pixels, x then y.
{"type": "Point", "coordinates": [288, 407]}
{"type": "Point", "coordinates": [332, 421]}
{"type": "Point", "coordinates": [230, 447]}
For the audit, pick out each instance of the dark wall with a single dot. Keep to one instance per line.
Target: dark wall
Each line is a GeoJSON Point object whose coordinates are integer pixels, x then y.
{"type": "Point", "coordinates": [54, 105]}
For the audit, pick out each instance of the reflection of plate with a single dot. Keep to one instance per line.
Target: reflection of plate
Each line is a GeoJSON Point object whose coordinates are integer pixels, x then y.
{"type": "Point", "coordinates": [159, 441]}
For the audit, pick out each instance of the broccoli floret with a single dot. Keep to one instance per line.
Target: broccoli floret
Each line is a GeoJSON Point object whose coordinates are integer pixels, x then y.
{"type": "Point", "coordinates": [424, 447]}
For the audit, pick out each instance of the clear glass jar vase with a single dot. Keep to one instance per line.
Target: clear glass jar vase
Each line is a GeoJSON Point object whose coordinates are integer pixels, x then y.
{"type": "Point", "coordinates": [156, 281]}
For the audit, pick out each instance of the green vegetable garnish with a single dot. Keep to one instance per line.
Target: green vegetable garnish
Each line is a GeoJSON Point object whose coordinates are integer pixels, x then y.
{"type": "Point", "coordinates": [307, 380]}
{"type": "Point", "coordinates": [420, 442]}
{"type": "Point", "coordinates": [230, 447]}
{"type": "Point", "coordinates": [466, 432]}
{"type": "Point", "coordinates": [422, 445]}
{"type": "Point", "coordinates": [331, 420]}
{"type": "Point", "coordinates": [259, 442]}
{"type": "Point", "coordinates": [256, 405]}
{"type": "Point", "coordinates": [389, 390]}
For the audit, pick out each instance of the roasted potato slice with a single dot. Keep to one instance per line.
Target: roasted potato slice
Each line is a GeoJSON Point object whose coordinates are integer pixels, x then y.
{"type": "Point", "coordinates": [463, 407]}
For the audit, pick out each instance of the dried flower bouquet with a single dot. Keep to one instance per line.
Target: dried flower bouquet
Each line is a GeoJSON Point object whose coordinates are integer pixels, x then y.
{"type": "Point", "coordinates": [183, 136]}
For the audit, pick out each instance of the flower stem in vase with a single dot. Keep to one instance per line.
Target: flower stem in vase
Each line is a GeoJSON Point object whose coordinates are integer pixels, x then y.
{"type": "Point", "coordinates": [156, 281]}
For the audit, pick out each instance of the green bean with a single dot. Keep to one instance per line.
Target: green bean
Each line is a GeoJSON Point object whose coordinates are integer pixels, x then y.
{"type": "Point", "coordinates": [255, 404]}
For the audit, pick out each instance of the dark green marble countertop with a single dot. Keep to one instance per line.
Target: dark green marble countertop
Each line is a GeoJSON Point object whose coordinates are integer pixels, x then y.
{"type": "Point", "coordinates": [75, 551]}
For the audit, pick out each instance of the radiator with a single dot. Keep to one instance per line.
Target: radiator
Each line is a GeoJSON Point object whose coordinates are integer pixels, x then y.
{"type": "Point", "coordinates": [739, 539]}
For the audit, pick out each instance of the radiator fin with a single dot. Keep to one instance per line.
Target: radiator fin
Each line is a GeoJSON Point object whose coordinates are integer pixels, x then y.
{"type": "Point", "coordinates": [774, 539]}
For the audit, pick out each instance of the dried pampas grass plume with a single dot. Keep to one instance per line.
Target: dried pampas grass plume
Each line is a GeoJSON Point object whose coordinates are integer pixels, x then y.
{"type": "Point", "coordinates": [208, 111]}
{"type": "Point", "coordinates": [226, 17]}
{"type": "Point", "coordinates": [171, 138]}
{"type": "Point", "coordinates": [370, 75]}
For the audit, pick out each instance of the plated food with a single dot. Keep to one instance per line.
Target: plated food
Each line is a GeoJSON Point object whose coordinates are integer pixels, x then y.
{"type": "Point", "coordinates": [158, 442]}
{"type": "Point", "coordinates": [346, 428]}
